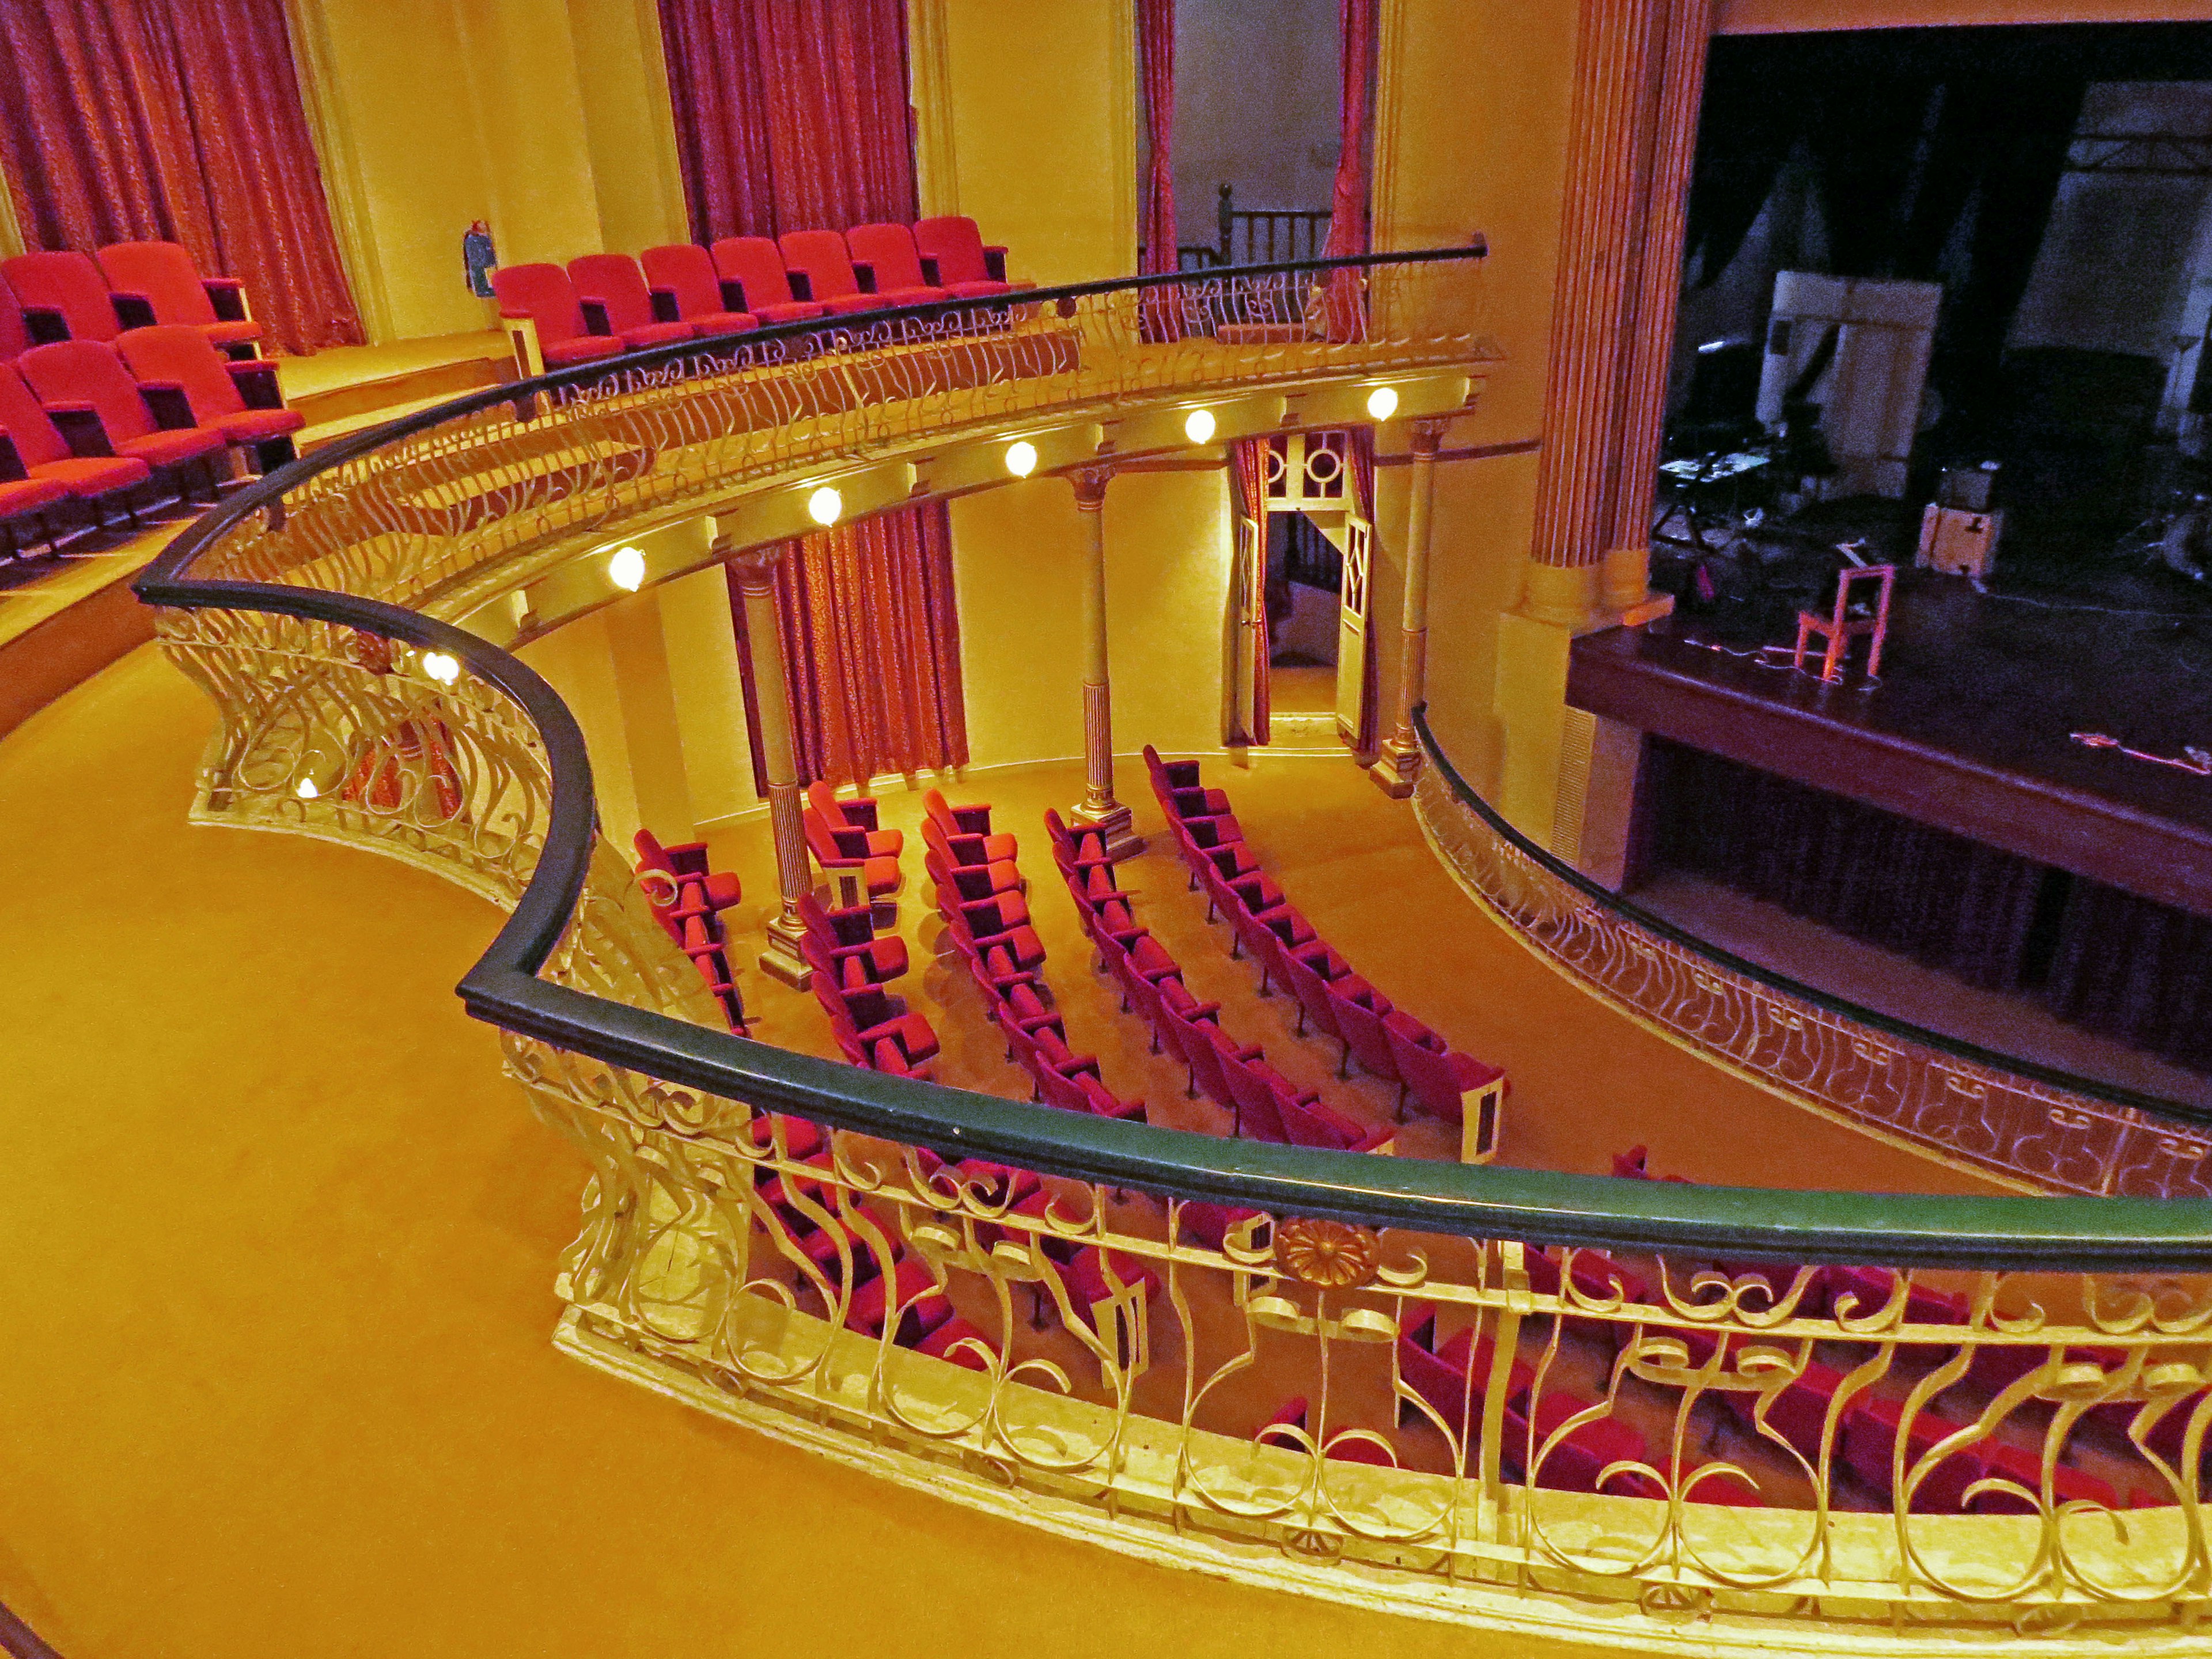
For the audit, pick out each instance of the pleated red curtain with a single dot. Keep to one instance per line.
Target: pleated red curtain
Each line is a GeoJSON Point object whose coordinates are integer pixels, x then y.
{"type": "Point", "coordinates": [1156, 202]}
{"type": "Point", "coordinates": [1349, 213]}
{"type": "Point", "coordinates": [790, 114]}
{"type": "Point", "coordinates": [793, 115]}
{"type": "Point", "coordinates": [174, 120]}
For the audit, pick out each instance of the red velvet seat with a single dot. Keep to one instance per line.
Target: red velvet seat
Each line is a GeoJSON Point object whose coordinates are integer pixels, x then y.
{"type": "Point", "coordinates": [689, 887]}
{"type": "Point", "coordinates": [45, 455]}
{"type": "Point", "coordinates": [879, 874]}
{"type": "Point", "coordinates": [178, 358]}
{"type": "Point", "coordinates": [543, 296]}
{"type": "Point", "coordinates": [1453, 1375]}
{"type": "Point", "coordinates": [967, 830]}
{"type": "Point", "coordinates": [1799, 1412]}
{"type": "Point", "coordinates": [954, 246]}
{"type": "Point", "coordinates": [887, 256]}
{"type": "Point", "coordinates": [1084, 851]}
{"type": "Point", "coordinates": [1575, 1464]}
{"type": "Point", "coordinates": [961, 1343]}
{"type": "Point", "coordinates": [850, 818]}
{"type": "Point", "coordinates": [681, 279]}
{"type": "Point", "coordinates": [84, 381]}
{"type": "Point", "coordinates": [14, 332]}
{"type": "Point", "coordinates": [64, 296]}
{"type": "Point", "coordinates": [1869, 1445]}
{"type": "Point", "coordinates": [611, 285]}
{"type": "Point", "coordinates": [1437, 1077]}
{"type": "Point", "coordinates": [850, 940]}
{"type": "Point", "coordinates": [1360, 1011]}
{"type": "Point", "coordinates": [821, 259]}
{"type": "Point", "coordinates": [755, 263]}
{"type": "Point", "coordinates": [159, 277]}
{"type": "Point", "coordinates": [910, 1295]}
{"type": "Point", "coordinates": [2025, 1468]}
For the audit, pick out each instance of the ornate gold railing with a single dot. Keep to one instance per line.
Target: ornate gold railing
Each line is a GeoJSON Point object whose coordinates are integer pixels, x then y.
{"type": "Point", "coordinates": [789, 1242]}
{"type": "Point", "coordinates": [1989, 1113]}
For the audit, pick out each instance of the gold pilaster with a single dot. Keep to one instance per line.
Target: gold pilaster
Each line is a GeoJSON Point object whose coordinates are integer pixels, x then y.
{"type": "Point", "coordinates": [1098, 809]}
{"type": "Point", "coordinates": [1399, 762]}
{"type": "Point", "coordinates": [755, 569]}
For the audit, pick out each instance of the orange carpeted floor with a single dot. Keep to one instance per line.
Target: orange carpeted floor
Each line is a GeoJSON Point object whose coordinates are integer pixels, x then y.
{"type": "Point", "coordinates": [278, 1238]}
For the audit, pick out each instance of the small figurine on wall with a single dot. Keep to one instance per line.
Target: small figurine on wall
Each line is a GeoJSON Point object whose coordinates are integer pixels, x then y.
{"type": "Point", "coordinates": [479, 258]}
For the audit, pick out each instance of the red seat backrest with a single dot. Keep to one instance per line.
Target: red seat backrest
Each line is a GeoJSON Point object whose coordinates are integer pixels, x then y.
{"type": "Point", "coordinates": [889, 250]}
{"type": "Point", "coordinates": [35, 435]}
{"type": "Point", "coordinates": [163, 272]}
{"type": "Point", "coordinates": [66, 283]}
{"type": "Point", "coordinates": [14, 334]}
{"type": "Point", "coordinates": [89, 372]}
{"type": "Point", "coordinates": [821, 254]}
{"type": "Point", "coordinates": [957, 246]}
{"type": "Point", "coordinates": [179, 354]}
{"type": "Point", "coordinates": [757, 263]}
{"type": "Point", "coordinates": [613, 280]}
{"type": "Point", "coordinates": [687, 271]}
{"type": "Point", "coordinates": [542, 293]}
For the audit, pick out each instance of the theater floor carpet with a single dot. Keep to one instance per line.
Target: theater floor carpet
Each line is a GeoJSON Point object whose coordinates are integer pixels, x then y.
{"type": "Point", "coordinates": [278, 1241]}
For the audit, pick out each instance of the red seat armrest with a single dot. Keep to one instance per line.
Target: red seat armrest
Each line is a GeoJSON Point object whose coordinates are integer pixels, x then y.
{"type": "Point", "coordinates": [11, 462]}
{"type": "Point", "coordinates": [45, 325]}
{"type": "Point", "coordinates": [664, 308]}
{"type": "Point", "coordinates": [81, 429]}
{"type": "Point", "coordinates": [228, 295]}
{"type": "Point", "coordinates": [994, 261]}
{"type": "Point", "coordinates": [851, 843]}
{"type": "Point", "coordinates": [801, 289]}
{"type": "Point", "coordinates": [733, 293]}
{"type": "Point", "coordinates": [864, 273]}
{"type": "Point", "coordinates": [256, 381]}
{"type": "Point", "coordinates": [929, 270]}
{"type": "Point", "coordinates": [131, 310]}
{"type": "Point", "coordinates": [595, 317]}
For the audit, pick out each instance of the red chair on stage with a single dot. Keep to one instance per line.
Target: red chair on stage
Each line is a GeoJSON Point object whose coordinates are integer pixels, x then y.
{"type": "Point", "coordinates": [92, 398]}
{"type": "Point", "coordinates": [755, 265]}
{"type": "Point", "coordinates": [683, 287]}
{"type": "Point", "coordinates": [1839, 629]}
{"type": "Point", "coordinates": [152, 282]}
{"type": "Point", "coordinates": [822, 261]}
{"type": "Point", "coordinates": [848, 819]}
{"type": "Point", "coordinates": [240, 400]}
{"type": "Point", "coordinates": [616, 301]}
{"type": "Point", "coordinates": [64, 296]}
{"type": "Point", "coordinates": [544, 320]}
{"type": "Point", "coordinates": [954, 258]}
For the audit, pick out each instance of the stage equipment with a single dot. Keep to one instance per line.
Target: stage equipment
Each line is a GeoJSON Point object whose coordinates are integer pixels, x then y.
{"type": "Point", "coordinates": [1846, 625]}
{"type": "Point", "coordinates": [1957, 541]}
{"type": "Point", "coordinates": [1859, 349]}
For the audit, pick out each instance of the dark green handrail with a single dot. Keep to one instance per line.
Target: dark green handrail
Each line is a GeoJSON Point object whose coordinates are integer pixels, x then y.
{"type": "Point", "coordinates": [1677, 1219]}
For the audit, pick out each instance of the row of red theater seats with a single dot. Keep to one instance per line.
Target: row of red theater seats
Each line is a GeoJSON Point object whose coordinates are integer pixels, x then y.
{"type": "Point", "coordinates": [86, 423]}
{"type": "Point", "coordinates": [604, 304]}
{"type": "Point", "coordinates": [1869, 1423]}
{"type": "Point", "coordinates": [46, 297]}
{"type": "Point", "coordinates": [1388, 1043]}
{"type": "Point", "coordinates": [688, 899]}
{"type": "Point", "coordinates": [1263, 1103]}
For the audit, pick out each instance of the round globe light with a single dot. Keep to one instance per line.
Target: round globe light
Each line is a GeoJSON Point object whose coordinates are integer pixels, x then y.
{"type": "Point", "coordinates": [1021, 457]}
{"type": "Point", "coordinates": [443, 668]}
{"type": "Point", "coordinates": [825, 505]}
{"type": "Point", "coordinates": [1199, 426]}
{"type": "Point", "coordinates": [626, 569]}
{"type": "Point", "coordinates": [1382, 402]}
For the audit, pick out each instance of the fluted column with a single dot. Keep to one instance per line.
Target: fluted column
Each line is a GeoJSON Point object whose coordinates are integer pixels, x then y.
{"type": "Point", "coordinates": [1399, 762]}
{"type": "Point", "coordinates": [1099, 810]}
{"type": "Point", "coordinates": [755, 569]}
{"type": "Point", "coordinates": [1639, 75]}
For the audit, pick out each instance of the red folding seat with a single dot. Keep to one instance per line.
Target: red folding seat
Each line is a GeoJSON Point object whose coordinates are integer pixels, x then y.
{"type": "Point", "coordinates": [1003, 921]}
{"type": "Point", "coordinates": [967, 830]}
{"type": "Point", "coordinates": [2010, 1463]}
{"type": "Point", "coordinates": [880, 875]}
{"type": "Point", "coordinates": [238, 399]}
{"type": "Point", "coordinates": [849, 939]}
{"type": "Point", "coordinates": [1309, 1121]}
{"type": "Point", "coordinates": [1342, 1448]}
{"type": "Point", "coordinates": [612, 290]}
{"type": "Point", "coordinates": [888, 262]}
{"type": "Point", "coordinates": [1309, 971]}
{"type": "Point", "coordinates": [1360, 1011]}
{"type": "Point", "coordinates": [715, 968]}
{"type": "Point", "coordinates": [1799, 1412]}
{"type": "Point", "coordinates": [45, 456]}
{"type": "Point", "coordinates": [1094, 1274]}
{"type": "Point", "coordinates": [1453, 1376]}
{"type": "Point", "coordinates": [1084, 851]}
{"type": "Point", "coordinates": [683, 287]}
{"type": "Point", "coordinates": [151, 282]}
{"type": "Point", "coordinates": [14, 333]}
{"type": "Point", "coordinates": [755, 265]}
{"type": "Point", "coordinates": [543, 315]}
{"type": "Point", "coordinates": [22, 497]}
{"type": "Point", "coordinates": [1869, 1443]}
{"type": "Point", "coordinates": [64, 296]}
{"type": "Point", "coordinates": [954, 256]}
{"type": "Point", "coordinates": [1021, 1007]}
{"type": "Point", "coordinates": [1577, 1462]}
{"type": "Point", "coordinates": [820, 258]}
{"type": "Point", "coordinates": [911, 1294]}
{"type": "Point", "coordinates": [848, 819]}
{"type": "Point", "coordinates": [801, 1139]}
{"type": "Point", "coordinates": [1252, 1099]}
{"type": "Point", "coordinates": [961, 1343]}
{"type": "Point", "coordinates": [92, 398]}
{"type": "Point", "coordinates": [1439, 1078]}
{"type": "Point", "coordinates": [687, 887]}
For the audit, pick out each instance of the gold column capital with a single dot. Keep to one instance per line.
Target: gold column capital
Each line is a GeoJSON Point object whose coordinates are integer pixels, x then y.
{"type": "Point", "coordinates": [1426, 436]}
{"type": "Point", "coordinates": [1090, 482]}
{"type": "Point", "coordinates": [756, 566]}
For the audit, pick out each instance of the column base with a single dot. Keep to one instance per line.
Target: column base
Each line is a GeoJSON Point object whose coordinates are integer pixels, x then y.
{"type": "Point", "coordinates": [781, 961]}
{"type": "Point", "coordinates": [1114, 825]}
{"type": "Point", "coordinates": [1397, 766]}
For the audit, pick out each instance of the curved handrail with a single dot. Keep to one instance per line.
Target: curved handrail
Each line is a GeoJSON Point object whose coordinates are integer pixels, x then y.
{"type": "Point", "coordinates": [2084, 1234]}
{"type": "Point", "coordinates": [1605, 898]}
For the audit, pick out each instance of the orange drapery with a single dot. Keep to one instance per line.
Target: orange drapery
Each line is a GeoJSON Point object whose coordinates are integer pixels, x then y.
{"type": "Point", "coordinates": [177, 121]}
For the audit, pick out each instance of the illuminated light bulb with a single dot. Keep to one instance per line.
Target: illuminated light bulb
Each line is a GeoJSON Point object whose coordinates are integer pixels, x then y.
{"type": "Point", "coordinates": [1382, 402]}
{"type": "Point", "coordinates": [305, 790]}
{"type": "Point", "coordinates": [626, 569]}
{"type": "Point", "coordinates": [1200, 426]}
{"type": "Point", "coordinates": [1021, 457]}
{"type": "Point", "coordinates": [441, 667]}
{"type": "Point", "coordinates": [825, 505]}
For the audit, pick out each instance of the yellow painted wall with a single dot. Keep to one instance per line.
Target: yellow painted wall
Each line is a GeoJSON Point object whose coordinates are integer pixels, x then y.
{"type": "Point", "coordinates": [710, 694]}
{"type": "Point", "coordinates": [1042, 129]}
{"type": "Point", "coordinates": [630, 126]}
{"type": "Point", "coordinates": [578, 662]}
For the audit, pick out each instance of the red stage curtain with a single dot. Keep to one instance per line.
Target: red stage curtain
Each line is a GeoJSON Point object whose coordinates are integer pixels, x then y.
{"type": "Point", "coordinates": [790, 114]}
{"type": "Point", "coordinates": [1348, 200]}
{"type": "Point", "coordinates": [179, 121]}
{"type": "Point", "coordinates": [1248, 488]}
{"type": "Point", "coordinates": [1156, 204]}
